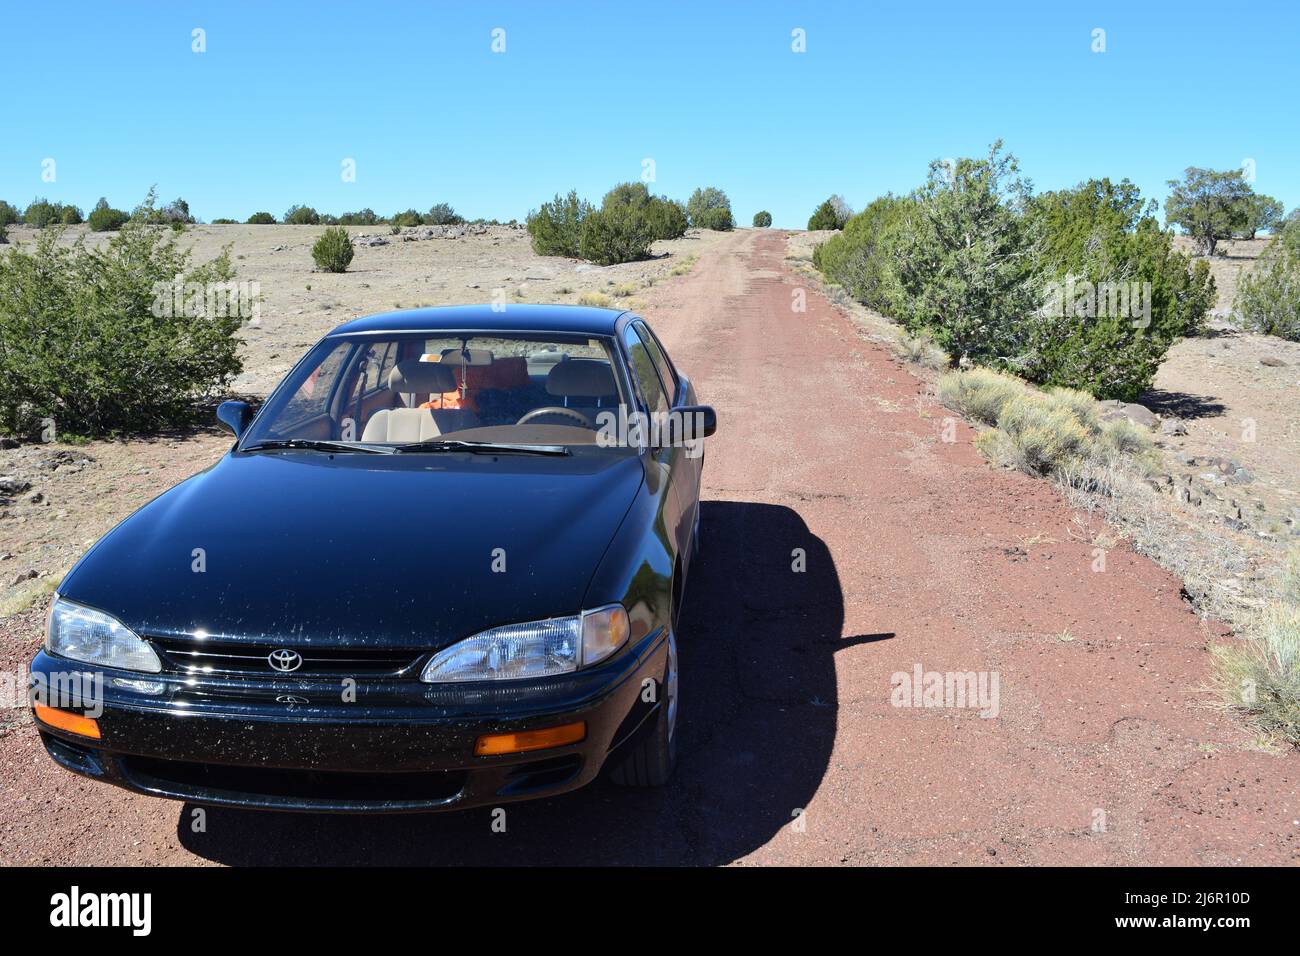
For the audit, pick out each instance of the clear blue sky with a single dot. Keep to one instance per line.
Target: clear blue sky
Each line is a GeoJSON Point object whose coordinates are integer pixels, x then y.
{"type": "Point", "coordinates": [584, 91]}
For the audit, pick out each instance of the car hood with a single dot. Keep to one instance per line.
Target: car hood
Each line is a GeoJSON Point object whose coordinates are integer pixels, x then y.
{"type": "Point", "coordinates": [361, 550]}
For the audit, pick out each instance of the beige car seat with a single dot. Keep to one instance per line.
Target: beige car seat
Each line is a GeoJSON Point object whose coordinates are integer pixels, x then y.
{"type": "Point", "coordinates": [409, 380]}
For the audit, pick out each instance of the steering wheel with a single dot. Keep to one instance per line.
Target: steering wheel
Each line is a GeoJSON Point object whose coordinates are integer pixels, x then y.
{"type": "Point", "coordinates": [556, 410]}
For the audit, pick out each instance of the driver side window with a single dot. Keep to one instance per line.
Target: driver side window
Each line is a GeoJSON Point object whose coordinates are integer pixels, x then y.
{"type": "Point", "coordinates": [643, 368]}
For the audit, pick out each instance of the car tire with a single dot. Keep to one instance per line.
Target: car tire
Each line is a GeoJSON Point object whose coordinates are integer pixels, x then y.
{"type": "Point", "coordinates": [650, 760]}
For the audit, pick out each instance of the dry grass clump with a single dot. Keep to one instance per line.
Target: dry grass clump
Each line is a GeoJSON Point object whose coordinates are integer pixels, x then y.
{"type": "Point", "coordinates": [1258, 674]}
{"type": "Point", "coordinates": [922, 350]}
{"type": "Point", "coordinates": [596, 299]}
{"type": "Point", "coordinates": [1044, 436]}
{"type": "Point", "coordinates": [980, 393]}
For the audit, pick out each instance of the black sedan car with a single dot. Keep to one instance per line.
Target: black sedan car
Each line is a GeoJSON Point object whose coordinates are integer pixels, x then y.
{"type": "Point", "coordinates": [441, 567]}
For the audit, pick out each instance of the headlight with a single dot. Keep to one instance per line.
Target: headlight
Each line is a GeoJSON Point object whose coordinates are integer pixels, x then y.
{"type": "Point", "coordinates": [559, 645]}
{"type": "Point", "coordinates": [93, 637]}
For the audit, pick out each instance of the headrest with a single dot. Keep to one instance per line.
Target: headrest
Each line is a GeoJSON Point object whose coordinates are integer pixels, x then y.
{"type": "Point", "coordinates": [421, 378]}
{"type": "Point", "coordinates": [458, 357]}
{"type": "Point", "coordinates": [581, 378]}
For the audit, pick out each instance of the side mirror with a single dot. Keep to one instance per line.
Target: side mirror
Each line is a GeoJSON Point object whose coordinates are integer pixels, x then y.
{"type": "Point", "coordinates": [690, 423]}
{"type": "Point", "coordinates": [235, 416]}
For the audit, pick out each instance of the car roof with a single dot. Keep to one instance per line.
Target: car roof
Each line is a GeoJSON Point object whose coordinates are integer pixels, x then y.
{"type": "Point", "coordinates": [509, 317]}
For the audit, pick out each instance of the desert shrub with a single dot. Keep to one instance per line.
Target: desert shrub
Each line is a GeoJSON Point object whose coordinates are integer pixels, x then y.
{"type": "Point", "coordinates": [833, 213]}
{"type": "Point", "coordinates": [709, 208]}
{"type": "Point", "coordinates": [1121, 440]}
{"type": "Point", "coordinates": [333, 250]}
{"type": "Point", "coordinates": [71, 216]}
{"type": "Point", "coordinates": [1268, 297]}
{"type": "Point", "coordinates": [441, 214]}
{"type": "Point", "coordinates": [1045, 437]}
{"type": "Point", "coordinates": [104, 218]}
{"type": "Point", "coordinates": [1210, 205]}
{"type": "Point", "coordinates": [666, 218]}
{"type": "Point", "coordinates": [762, 220]}
{"type": "Point", "coordinates": [556, 228]}
{"type": "Point", "coordinates": [301, 216]}
{"type": "Point", "coordinates": [1079, 404]}
{"type": "Point", "coordinates": [1289, 582]}
{"type": "Point", "coordinates": [597, 299]}
{"type": "Point", "coordinates": [619, 233]}
{"type": "Point", "coordinates": [365, 217]}
{"type": "Point", "coordinates": [1116, 294]}
{"type": "Point", "coordinates": [261, 219]}
{"type": "Point", "coordinates": [1259, 674]}
{"type": "Point", "coordinates": [9, 215]}
{"type": "Point", "coordinates": [921, 350]}
{"type": "Point", "coordinates": [86, 339]}
{"type": "Point", "coordinates": [224, 222]}
{"type": "Point", "coordinates": [4, 234]}
{"type": "Point", "coordinates": [980, 393]}
{"type": "Point", "coordinates": [41, 213]}
{"type": "Point", "coordinates": [862, 258]}
{"type": "Point", "coordinates": [404, 219]}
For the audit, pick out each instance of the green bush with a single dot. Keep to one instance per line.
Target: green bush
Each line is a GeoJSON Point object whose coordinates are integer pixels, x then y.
{"type": "Point", "coordinates": [863, 257]}
{"type": "Point", "coordinates": [441, 214]}
{"type": "Point", "coordinates": [86, 339]}
{"type": "Point", "coordinates": [333, 250]}
{"type": "Point", "coordinates": [618, 233]}
{"type": "Point", "coordinates": [261, 219]}
{"type": "Point", "coordinates": [71, 216]}
{"type": "Point", "coordinates": [104, 218]}
{"type": "Point", "coordinates": [366, 217]}
{"type": "Point", "coordinates": [301, 216]}
{"type": "Point", "coordinates": [666, 218]}
{"type": "Point", "coordinates": [1116, 292]}
{"type": "Point", "coordinates": [41, 213]}
{"type": "Point", "coordinates": [709, 208]}
{"type": "Point", "coordinates": [403, 219]}
{"type": "Point", "coordinates": [762, 220]}
{"type": "Point", "coordinates": [556, 228]}
{"type": "Point", "coordinates": [4, 234]}
{"type": "Point", "coordinates": [9, 215]}
{"type": "Point", "coordinates": [824, 217]}
{"type": "Point", "coordinates": [1268, 297]}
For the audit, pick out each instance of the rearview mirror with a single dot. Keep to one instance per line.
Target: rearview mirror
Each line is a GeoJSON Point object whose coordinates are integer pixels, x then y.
{"type": "Point", "coordinates": [235, 416]}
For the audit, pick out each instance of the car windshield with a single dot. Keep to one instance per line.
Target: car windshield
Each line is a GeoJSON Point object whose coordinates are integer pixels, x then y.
{"type": "Point", "coordinates": [436, 389]}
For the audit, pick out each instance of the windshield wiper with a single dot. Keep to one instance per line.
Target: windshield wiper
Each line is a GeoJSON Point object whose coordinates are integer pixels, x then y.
{"type": "Point", "coordinates": [481, 447]}
{"type": "Point", "coordinates": [316, 444]}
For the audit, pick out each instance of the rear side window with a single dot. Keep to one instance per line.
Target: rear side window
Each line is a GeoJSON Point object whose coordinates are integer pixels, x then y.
{"type": "Point", "coordinates": [643, 366]}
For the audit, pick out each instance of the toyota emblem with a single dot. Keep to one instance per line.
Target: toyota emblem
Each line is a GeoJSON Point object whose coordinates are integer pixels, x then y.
{"type": "Point", "coordinates": [284, 660]}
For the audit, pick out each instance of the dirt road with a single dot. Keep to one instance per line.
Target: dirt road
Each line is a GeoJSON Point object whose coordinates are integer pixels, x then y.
{"type": "Point", "coordinates": [846, 545]}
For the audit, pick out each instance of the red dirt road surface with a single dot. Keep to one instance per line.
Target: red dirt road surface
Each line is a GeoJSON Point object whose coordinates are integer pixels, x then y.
{"type": "Point", "coordinates": [845, 543]}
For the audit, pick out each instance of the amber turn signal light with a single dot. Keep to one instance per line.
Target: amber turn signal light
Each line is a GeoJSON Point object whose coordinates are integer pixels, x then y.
{"type": "Point", "coordinates": [526, 740]}
{"type": "Point", "coordinates": [66, 720]}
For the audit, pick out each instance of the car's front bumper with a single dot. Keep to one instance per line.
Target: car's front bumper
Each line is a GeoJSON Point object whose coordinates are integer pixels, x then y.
{"type": "Point", "coordinates": [390, 746]}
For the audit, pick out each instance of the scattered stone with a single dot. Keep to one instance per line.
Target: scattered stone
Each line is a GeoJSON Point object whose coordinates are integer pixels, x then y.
{"type": "Point", "coordinates": [1272, 361]}
{"type": "Point", "coordinates": [1241, 477]}
{"type": "Point", "coordinates": [24, 576]}
{"type": "Point", "coordinates": [13, 486]}
{"type": "Point", "coordinates": [1173, 426]}
{"type": "Point", "coordinates": [1138, 414]}
{"type": "Point", "coordinates": [37, 498]}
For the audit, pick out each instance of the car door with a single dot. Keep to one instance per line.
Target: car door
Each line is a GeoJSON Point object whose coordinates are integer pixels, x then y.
{"type": "Point", "coordinates": [691, 464]}
{"type": "Point", "coordinates": [664, 471]}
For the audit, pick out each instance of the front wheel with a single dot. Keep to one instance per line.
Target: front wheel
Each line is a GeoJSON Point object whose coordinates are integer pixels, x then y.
{"type": "Point", "coordinates": [650, 761]}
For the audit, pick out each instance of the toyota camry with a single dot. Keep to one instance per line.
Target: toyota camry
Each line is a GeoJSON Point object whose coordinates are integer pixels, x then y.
{"type": "Point", "coordinates": [440, 567]}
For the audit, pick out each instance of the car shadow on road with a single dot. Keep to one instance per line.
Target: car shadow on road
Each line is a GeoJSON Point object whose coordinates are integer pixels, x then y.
{"type": "Point", "coordinates": [761, 622]}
